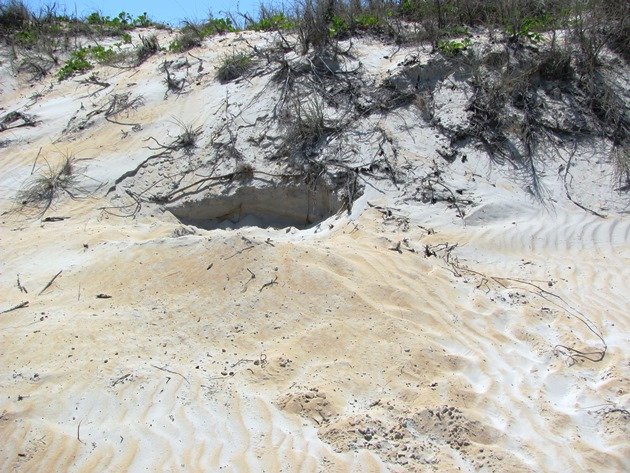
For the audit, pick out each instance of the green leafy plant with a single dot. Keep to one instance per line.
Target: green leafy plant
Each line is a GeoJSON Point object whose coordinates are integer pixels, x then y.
{"type": "Point", "coordinates": [26, 38]}
{"type": "Point", "coordinates": [277, 21]}
{"type": "Point", "coordinates": [454, 47]}
{"type": "Point", "coordinates": [102, 54]}
{"type": "Point", "coordinates": [78, 62]}
{"type": "Point", "coordinates": [217, 26]}
{"type": "Point", "coordinates": [94, 18]}
{"type": "Point", "coordinates": [366, 21]}
{"type": "Point", "coordinates": [143, 21]}
{"type": "Point", "coordinates": [530, 28]}
{"type": "Point", "coordinates": [337, 27]}
{"type": "Point", "coordinates": [124, 20]}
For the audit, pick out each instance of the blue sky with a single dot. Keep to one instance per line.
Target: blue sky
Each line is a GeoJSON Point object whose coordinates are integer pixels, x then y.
{"type": "Point", "coordinates": [171, 11]}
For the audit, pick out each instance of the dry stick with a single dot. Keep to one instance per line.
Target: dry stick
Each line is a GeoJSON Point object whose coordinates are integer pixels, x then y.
{"type": "Point", "coordinates": [36, 158]}
{"type": "Point", "coordinates": [19, 285]}
{"type": "Point", "coordinates": [49, 283]}
{"type": "Point", "coordinates": [239, 252]}
{"type": "Point", "coordinates": [121, 379]}
{"type": "Point", "coordinates": [172, 372]}
{"type": "Point", "coordinates": [269, 284]}
{"type": "Point", "coordinates": [15, 307]}
{"type": "Point", "coordinates": [79, 432]}
{"type": "Point", "coordinates": [252, 276]}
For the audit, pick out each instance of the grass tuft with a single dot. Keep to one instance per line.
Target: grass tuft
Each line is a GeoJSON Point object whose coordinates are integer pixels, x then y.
{"type": "Point", "coordinates": [233, 66]}
{"type": "Point", "coordinates": [48, 184]}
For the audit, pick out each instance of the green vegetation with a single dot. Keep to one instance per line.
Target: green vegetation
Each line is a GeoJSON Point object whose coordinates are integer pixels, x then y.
{"type": "Point", "coordinates": [271, 22]}
{"type": "Point", "coordinates": [234, 66]}
{"type": "Point", "coordinates": [78, 62]}
{"type": "Point", "coordinates": [148, 47]}
{"type": "Point", "coordinates": [124, 20]}
{"type": "Point", "coordinates": [337, 27]}
{"type": "Point", "coordinates": [454, 47]}
{"type": "Point", "coordinates": [192, 34]}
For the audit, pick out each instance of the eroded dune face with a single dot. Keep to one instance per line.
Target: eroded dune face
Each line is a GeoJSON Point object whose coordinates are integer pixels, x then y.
{"type": "Point", "coordinates": [407, 332]}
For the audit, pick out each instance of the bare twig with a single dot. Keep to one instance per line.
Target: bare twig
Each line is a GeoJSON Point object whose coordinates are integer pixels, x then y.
{"type": "Point", "coordinates": [15, 307]}
{"type": "Point", "coordinates": [274, 281]}
{"type": "Point", "coordinates": [121, 379]}
{"type": "Point", "coordinates": [79, 432]}
{"type": "Point", "coordinates": [20, 286]}
{"type": "Point", "coordinates": [172, 372]}
{"type": "Point", "coordinates": [49, 283]}
{"type": "Point", "coordinates": [35, 162]}
{"type": "Point", "coordinates": [239, 252]}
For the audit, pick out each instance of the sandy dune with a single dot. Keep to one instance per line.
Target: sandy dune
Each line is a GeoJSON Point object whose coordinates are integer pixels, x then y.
{"type": "Point", "coordinates": [398, 337]}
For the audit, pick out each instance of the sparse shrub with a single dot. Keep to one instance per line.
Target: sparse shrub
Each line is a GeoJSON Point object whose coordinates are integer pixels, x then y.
{"type": "Point", "coordinates": [305, 128]}
{"type": "Point", "coordinates": [148, 47]}
{"type": "Point", "coordinates": [36, 65]}
{"type": "Point", "coordinates": [244, 172]}
{"type": "Point", "coordinates": [188, 38]}
{"type": "Point", "coordinates": [187, 139]}
{"type": "Point", "coordinates": [192, 34]}
{"type": "Point", "coordinates": [233, 66]}
{"type": "Point", "coordinates": [621, 163]}
{"type": "Point", "coordinates": [314, 26]}
{"type": "Point", "coordinates": [555, 64]}
{"type": "Point", "coordinates": [14, 15]}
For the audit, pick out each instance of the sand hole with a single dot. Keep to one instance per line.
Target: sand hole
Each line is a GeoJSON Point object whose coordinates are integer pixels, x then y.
{"type": "Point", "coordinates": [277, 206]}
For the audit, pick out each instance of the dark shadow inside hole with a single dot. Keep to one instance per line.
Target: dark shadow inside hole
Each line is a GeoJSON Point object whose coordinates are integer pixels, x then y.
{"type": "Point", "coordinates": [279, 206]}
